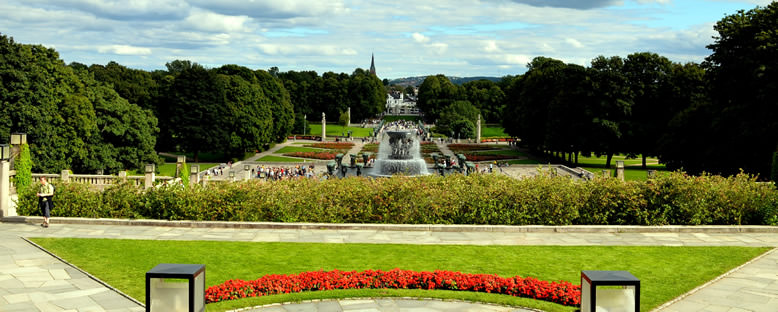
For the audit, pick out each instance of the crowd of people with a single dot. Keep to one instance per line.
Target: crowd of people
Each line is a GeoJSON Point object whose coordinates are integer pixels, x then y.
{"type": "Point", "coordinates": [283, 173]}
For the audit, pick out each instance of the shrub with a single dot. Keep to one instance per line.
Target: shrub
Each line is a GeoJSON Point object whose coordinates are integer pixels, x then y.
{"type": "Point", "coordinates": [675, 198]}
{"type": "Point", "coordinates": [23, 167]}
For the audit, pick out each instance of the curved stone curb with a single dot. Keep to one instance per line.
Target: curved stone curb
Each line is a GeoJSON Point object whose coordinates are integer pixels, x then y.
{"type": "Point", "coordinates": [718, 278]}
{"type": "Point", "coordinates": [99, 281]}
{"type": "Point", "coordinates": [455, 301]}
{"type": "Point", "coordinates": [411, 227]}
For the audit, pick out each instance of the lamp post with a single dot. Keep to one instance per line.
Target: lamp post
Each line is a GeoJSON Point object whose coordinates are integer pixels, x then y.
{"type": "Point", "coordinates": [175, 287]}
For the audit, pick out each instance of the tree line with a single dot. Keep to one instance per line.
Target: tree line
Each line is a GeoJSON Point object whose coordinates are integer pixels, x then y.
{"type": "Point", "coordinates": [719, 116]}
{"type": "Point", "coordinates": [111, 117]}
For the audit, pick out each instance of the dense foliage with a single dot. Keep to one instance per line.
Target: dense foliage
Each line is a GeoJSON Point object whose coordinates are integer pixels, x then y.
{"type": "Point", "coordinates": [561, 292]}
{"type": "Point", "coordinates": [478, 199]}
{"type": "Point", "coordinates": [72, 121]}
{"type": "Point", "coordinates": [23, 167]}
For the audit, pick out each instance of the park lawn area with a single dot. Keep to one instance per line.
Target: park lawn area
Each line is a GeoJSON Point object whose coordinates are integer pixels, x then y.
{"type": "Point", "coordinates": [338, 130]}
{"type": "Point", "coordinates": [169, 169]}
{"type": "Point", "coordinates": [523, 162]}
{"type": "Point", "coordinates": [630, 173]}
{"type": "Point", "coordinates": [506, 152]}
{"type": "Point", "coordinates": [665, 272]}
{"type": "Point", "coordinates": [594, 161]}
{"type": "Point", "coordinates": [293, 149]}
{"type": "Point", "coordinates": [488, 132]}
{"type": "Point", "coordinates": [271, 158]}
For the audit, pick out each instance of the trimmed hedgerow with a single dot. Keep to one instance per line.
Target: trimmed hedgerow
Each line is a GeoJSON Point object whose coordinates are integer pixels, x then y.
{"type": "Point", "coordinates": [675, 198]}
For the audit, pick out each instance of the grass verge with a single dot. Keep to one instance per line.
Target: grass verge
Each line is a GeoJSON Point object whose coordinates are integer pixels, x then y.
{"type": "Point", "coordinates": [665, 272]}
{"type": "Point", "coordinates": [338, 130]}
{"type": "Point", "coordinates": [271, 158]}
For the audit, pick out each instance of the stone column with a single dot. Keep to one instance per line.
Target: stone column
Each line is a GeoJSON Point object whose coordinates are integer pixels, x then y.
{"type": "Point", "coordinates": [478, 130]}
{"type": "Point", "coordinates": [5, 188]}
{"type": "Point", "coordinates": [348, 113]}
{"type": "Point", "coordinates": [323, 127]}
{"type": "Point", "coordinates": [651, 174]}
{"type": "Point", "coordinates": [180, 160]}
{"type": "Point", "coordinates": [149, 181]}
{"type": "Point", "coordinates": [194, 175]}
{"type": "Point", "coordinates": [123, 175]}
{"type": "Point", "coordinates": [65, 176]}
{"type": "Point", "coordinates": [620, 170]}
{"type": "Point", "coordinates": [246, 172]}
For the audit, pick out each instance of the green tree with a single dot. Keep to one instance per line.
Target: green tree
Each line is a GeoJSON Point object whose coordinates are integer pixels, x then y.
{"type": "Point", "coordinates": [610, 108]}
{"type": "Point", "coordinates": [487, 97]}
{"type": "Point", "coordinates": [435, 94]}
{"type": "Point", "coordinates": [743, 73]}
{"type": "Point", "coordinates": [196, 111]}
{"type": "Point", "coordinates": [647, 75]}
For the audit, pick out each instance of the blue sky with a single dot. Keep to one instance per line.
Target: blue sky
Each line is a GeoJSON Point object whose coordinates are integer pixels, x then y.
{"type": "Point", "coordinates": [408, 38]}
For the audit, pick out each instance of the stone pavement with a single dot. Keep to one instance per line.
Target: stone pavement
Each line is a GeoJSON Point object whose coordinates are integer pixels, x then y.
{"type": "Point", "coordinates": [32, 280]}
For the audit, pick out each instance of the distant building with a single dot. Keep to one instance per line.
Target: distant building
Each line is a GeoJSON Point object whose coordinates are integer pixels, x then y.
{"type": "Point", "coordinates": [397, 104]}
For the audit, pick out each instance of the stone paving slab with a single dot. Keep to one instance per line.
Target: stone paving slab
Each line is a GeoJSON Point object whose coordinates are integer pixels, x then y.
{"type": "Point", "coordinates": [32, 280]}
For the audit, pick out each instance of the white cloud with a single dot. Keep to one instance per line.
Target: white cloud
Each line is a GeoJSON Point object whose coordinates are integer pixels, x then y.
{"type": "Point", "coordinates": [213, 22]}
{"type": "Point", "coordinates": [574, 43]}
{"type": "Point", "coordinates": [124, 50]}
{"type": "Point", "coordinates": [304, 49]}
{"type": "Point", "coordinates": [491, 46]}
{"type": "Point", "coordinates": [420, 38]}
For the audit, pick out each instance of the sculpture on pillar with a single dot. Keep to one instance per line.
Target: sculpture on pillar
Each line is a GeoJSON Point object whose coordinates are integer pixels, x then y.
{"type": "Point", "coordinates": [478, 129]}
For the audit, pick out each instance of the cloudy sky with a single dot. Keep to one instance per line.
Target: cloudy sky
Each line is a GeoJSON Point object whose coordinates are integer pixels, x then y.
{"type": "Point", "coordinates": [409, 38]}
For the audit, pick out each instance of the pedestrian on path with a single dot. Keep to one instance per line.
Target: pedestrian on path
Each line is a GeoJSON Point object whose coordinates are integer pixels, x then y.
{"type": "Point", "coordinates": [45, 194]}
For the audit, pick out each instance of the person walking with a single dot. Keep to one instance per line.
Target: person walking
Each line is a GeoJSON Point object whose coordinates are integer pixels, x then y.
{"type": "Point", "coordinates": [45, 194]}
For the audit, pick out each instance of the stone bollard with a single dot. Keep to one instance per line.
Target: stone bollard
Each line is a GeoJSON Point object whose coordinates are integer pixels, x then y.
{"type": "Point", "coordinates": [180, 160]}
{"type": "Point", "coordinates": [620, 170]}
{"type": "Point", "coordinates": [123, 175]}
{"type": "Point", "coordinates": [246, 172]}
{"type": "Point", "coordinates": [149, 181]}
{"type": "Point", "coordinates": [65, 176]}
{"type": "Point", "coordinates": [194, 175]}
{"type": "Point", "coordinates": [651, 174]}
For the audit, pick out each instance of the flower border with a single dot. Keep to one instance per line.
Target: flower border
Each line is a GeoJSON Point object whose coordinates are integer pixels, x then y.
{"type": "Point", "coordinates": [561, 292]}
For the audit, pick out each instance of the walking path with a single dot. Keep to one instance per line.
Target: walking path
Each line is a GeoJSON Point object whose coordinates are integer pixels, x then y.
{"type": "Point", "coordinates": [32, 280]}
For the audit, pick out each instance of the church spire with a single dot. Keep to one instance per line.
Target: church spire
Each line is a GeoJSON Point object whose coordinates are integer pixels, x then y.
{"type": "Point", "coordinates": [372, 64]}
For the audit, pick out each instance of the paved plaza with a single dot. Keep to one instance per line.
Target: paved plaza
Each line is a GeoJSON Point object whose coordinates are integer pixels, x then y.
{"type": "Point", "coordinates": [33, 280]}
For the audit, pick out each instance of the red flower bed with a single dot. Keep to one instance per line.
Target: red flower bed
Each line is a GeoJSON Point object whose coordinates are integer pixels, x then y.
{"type": "Point", "coordinates": [561, 292]}
{"type": "Point", "coordinates": [487, 157]}
{"type": "Point", "coordinates": [314, 155]}
{"type": "Point", "coordinates": [469, 147]}
{"type": "Point", "coordinates": [332, 145]}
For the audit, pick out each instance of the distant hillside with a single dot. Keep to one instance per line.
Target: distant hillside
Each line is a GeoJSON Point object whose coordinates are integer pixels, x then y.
{"type": "Point", "coordinates": [416, 81]}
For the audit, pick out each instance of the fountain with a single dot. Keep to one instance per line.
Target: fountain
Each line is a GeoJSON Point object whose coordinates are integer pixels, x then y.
{"type": "Point", "coordinates": [399, 153]}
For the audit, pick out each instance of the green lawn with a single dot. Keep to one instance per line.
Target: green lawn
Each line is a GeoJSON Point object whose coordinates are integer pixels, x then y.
{"type": "Point", "coordinates": [169, 169]}
{"type": "Point", "coordinates": [487, 132]}
{"type": "Point", "coordinates": [293, 149]}
{"type": "Point", "coordinates": [506, 152]}
{"type": "Point", "coordinates": [338, 130]}
{"type": "Point", "coordinates": [271, 158]}
{"type": "Point", "coordinates": [665, 272]}
{"type": "Point", "coordinates": [523, 162]}
{"type": "Point", "coordinates": [630, 173]}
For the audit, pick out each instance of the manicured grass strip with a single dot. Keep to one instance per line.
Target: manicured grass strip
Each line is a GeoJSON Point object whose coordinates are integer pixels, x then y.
{"type": "Point", "coordinates": [271, 158]}
{"type": "Point", "coordinates": [169, 169]}
{"type": "Point", "coordinates": [523, 162]}
{"type": "Point", "coordinates": [493, 132]}
{"type": "Point", "coordinates": [294, 149]}
{"type": "Point", "coordinates": [338, 130]}
{"type": "Point", "coordinates": [630, 173]}
{"type": "Point", "coordinates": [505, 152]}
{"type": "Point", "coordinates": [665, 272]}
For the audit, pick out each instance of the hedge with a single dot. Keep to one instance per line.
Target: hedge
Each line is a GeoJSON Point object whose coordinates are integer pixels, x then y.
{"type": "Point", "coordinates": [674, 198]}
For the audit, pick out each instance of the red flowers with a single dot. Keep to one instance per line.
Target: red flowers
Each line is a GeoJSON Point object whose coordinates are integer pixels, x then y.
{"type": "Point", "coordinates": [561, 292]}
{"type": "Point", "coordinates": [314, 155]}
